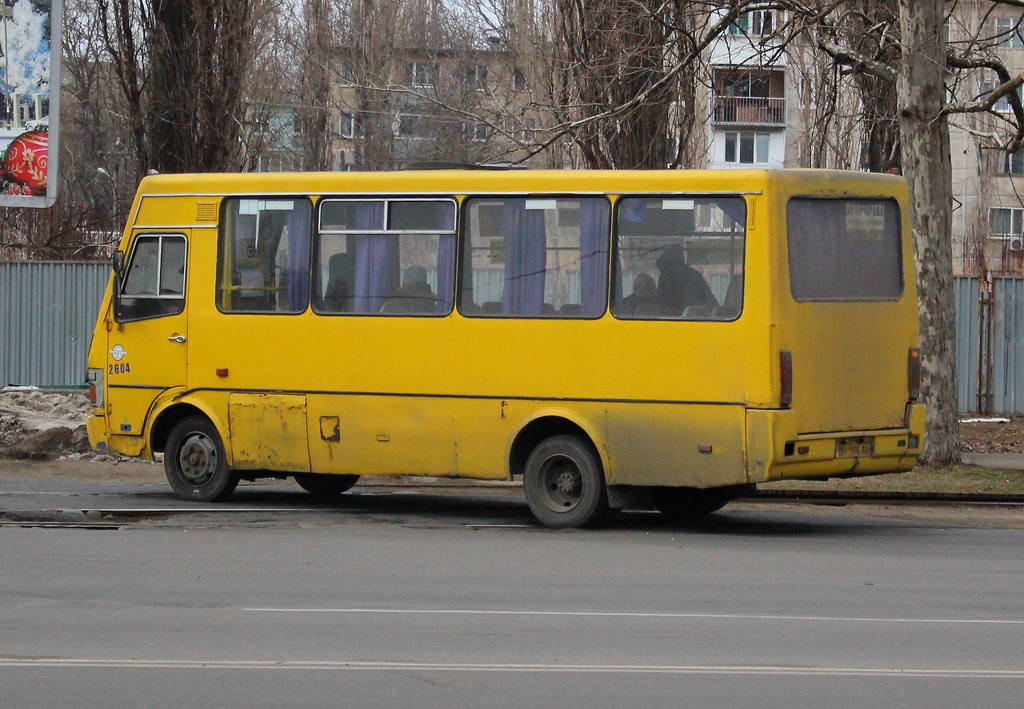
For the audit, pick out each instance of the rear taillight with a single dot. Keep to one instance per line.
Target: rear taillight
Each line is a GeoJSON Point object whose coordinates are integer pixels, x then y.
{"type": "Point", "coordinates": [914, 374]}
{"type": "Point", "coordinates": [94, 379]}
{"type": "Point", "coordinates": [785, 379]}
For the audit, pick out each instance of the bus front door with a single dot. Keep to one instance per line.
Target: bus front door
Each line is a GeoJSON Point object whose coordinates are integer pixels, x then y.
{"type": "Point", "coordinates": [147, 339]}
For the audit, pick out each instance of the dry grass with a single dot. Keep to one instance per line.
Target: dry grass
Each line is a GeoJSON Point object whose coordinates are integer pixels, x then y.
{"type": "Point", "coordinates": [958, 479]}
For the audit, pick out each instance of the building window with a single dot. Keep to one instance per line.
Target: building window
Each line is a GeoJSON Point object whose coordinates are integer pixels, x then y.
{"type": "Point", "coordinates": [478, 78]}
{"type": "Point", "coordinates": [476, 132]}
{"type": "Point", "coordinates": [423, 75]}
{"type": "Point", "coordinates": [346, 74]}
{"type": "Point", "coordinates": [1011, 163]}
{"type": "Point", "coordinates": [756, 23]}
{"type": "Point", "coordinates": [1009, 32]}
{"type": "Point", "coordinates": [348, 126]}
{"type": "Point", "coordinates": [1004, 222]}
{"type": "Point", "coordinates": [747, 148]}
{"type": "Point", "coordinates": [412, 127]}
{"type": "Point", "coordinates": [518, 80]}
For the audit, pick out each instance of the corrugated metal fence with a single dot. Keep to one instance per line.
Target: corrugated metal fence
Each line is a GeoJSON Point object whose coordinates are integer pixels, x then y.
{"type": "Point", "coordinates": [47, 314]}
{"type": "Point", "coordinates": [48, 311]}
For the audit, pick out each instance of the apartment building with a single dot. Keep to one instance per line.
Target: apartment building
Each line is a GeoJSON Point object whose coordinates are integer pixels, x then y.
{"type": "Point", "coordinates": [440, 105]}
{"type": "Point", "coordinates": [764, 105]}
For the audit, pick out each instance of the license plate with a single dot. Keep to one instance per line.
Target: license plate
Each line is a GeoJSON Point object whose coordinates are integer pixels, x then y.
{"type": "Point", "coordinates": [858, 449]}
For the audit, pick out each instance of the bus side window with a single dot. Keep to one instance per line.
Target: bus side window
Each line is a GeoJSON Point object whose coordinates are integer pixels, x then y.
{"type": "Point", "coordinates": [679, 258]}
{"type": "Point", "coordinates": [536, 257]}
{"type": "Point", "coordinates": [154, 283]}
{"type": "Point", "coordinates": [386, 256]}
{"type": "Point", "coordinates": [264, 256]}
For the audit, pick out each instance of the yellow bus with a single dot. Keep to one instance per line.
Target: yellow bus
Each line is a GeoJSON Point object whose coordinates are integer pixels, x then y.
{"type": "Point", "coordinates": [659, 339]}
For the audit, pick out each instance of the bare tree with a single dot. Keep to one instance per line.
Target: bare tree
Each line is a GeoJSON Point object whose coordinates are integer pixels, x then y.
{"type": "Point", "coordinates": [313, 109]}
{"type": "Point", "coordinates": [182, 66]}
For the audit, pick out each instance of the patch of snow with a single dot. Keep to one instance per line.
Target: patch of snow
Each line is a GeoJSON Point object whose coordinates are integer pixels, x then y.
{"type": "Point", "coordinates": [984, 420]}
{"type": "Point", "coordinates": [40, 409]}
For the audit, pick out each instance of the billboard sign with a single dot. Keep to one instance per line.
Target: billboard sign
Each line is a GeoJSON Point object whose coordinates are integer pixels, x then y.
{"type": "Point", "coordinates": [29, 101]}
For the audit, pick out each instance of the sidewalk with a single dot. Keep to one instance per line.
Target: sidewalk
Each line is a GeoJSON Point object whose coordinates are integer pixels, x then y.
{"type": "Point", "coordinates": [997, 461]}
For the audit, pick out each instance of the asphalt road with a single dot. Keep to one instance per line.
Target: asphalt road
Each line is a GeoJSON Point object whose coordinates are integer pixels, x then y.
{"type": "Point", "coordinates": [447, 597]}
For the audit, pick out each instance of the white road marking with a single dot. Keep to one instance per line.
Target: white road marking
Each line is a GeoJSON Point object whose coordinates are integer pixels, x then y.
{"type": "Point", "coordinates": [624, 614]}
{"type": "Point", "coordinates": [916, 672]}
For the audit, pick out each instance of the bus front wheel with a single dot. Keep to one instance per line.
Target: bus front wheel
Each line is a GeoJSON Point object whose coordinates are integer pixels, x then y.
{"type": "Point", "coordinates": [195, 462]}
{"type": "Point", "coordinates": [564, 484]}
{"type": "Point", "coordinates": [319, 485]}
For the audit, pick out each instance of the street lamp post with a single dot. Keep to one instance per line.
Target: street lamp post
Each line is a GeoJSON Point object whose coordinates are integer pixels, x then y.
{"type": "Point", "coordinates": [113, 185]}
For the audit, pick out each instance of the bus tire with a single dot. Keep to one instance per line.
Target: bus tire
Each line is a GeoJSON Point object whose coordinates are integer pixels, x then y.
{"type": "Point", "coordinates": [564, 484]}
{"type": "Point", "coordinates": [325, 485]}
{"type": "Point", "coordinates": [195, 462]}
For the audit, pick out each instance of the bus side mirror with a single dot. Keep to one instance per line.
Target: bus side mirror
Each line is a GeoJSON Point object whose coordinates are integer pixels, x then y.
{"type": "Point", "coordinates": [117, 263]}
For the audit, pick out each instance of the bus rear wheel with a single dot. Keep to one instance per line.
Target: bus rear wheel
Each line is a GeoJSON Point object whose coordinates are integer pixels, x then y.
{"type": "Point", "coordinates": [195, 462]}
{"type": "Point", "coordinates": [564, 484]}
{"type": "Point", "coordinates": [319, 485]}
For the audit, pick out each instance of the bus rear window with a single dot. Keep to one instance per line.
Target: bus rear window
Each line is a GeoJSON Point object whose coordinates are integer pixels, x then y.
{"type": "Point", "coordinates": [844, 249]}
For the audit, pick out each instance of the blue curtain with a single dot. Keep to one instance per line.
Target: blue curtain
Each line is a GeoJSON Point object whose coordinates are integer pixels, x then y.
{"type": "Point", "coordinates": [525, 259]}
{"type": "Point", "coordinates": [594, 234]}
{"type": "Point", "coordinates": [297, 270]}
{"type": "Point", "coordinates": [446, 261]}
{"type": "Point", "coordinates": [736, 209]}
{"type": "Point", "coordinates": [445, 272]}
{"type": "Point", "coordinates": [376, 259]}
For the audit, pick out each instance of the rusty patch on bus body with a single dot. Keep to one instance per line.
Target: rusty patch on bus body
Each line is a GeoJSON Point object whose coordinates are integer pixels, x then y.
{"type": "Point", "coordinates": [330, 429]}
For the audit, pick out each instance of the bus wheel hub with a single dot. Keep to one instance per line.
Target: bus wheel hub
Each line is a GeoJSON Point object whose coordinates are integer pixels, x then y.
{"type": "Point", "coordinates": [198, 459]}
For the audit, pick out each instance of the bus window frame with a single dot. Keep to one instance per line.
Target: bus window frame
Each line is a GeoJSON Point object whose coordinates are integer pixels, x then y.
{"type": "Point", "coordinates": [384, 198]}
{"type": "Point", "coordinates": [465, 260]}
{"type": "Point", "coordinates": [848, 198]}
{"type": "Point", "coordinates": [222, 227]}
{"type": "Point", "coordinates": [617, 206]}
{"type": "Point", "coordinates": [122, 278]}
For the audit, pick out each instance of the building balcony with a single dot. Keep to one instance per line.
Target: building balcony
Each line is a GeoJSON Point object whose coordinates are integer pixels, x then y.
{"type": "Point", "coordinates": [749, 111]}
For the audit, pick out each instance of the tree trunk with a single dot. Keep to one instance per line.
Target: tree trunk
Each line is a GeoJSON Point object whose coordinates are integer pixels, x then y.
{"type": "Point", "coordinates": [313, 115]}
{"type": "Point", "coordinates": [926, 161]}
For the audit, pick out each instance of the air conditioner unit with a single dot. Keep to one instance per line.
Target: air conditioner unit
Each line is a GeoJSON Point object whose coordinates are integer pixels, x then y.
{"type": "Point", "coordinates": [1017, 243]}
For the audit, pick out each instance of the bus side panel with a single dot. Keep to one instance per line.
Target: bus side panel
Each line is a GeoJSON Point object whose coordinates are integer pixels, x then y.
{"type": "Point", "coordinates": [691, 445]}
{"type": "Point", "coordinates": [268, 432]}
{"type": "Point", "coordinates": [385, 435]}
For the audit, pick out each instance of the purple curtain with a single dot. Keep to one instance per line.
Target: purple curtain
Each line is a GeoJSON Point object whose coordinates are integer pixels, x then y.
{"type": "Point", "coordinates": [633, 210]}
{"type": "Point", "coordinates": [297, 270]}
{"type": "Point", "coordinates": [736, 209]}
{"type": "Point", "coordinates": [445, 272]}
{"type": "Point", "coordinates": [594, 218]}
{"type": "Point", "coordinates": [376, 259]}
{"type": "Point", "coordinates": [525, 259]}
{"type": "Point", "coordinates": [446, 261]}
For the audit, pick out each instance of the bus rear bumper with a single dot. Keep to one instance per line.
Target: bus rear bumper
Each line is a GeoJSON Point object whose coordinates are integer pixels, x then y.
{"type": "Point", "coordinates": [776, 452]}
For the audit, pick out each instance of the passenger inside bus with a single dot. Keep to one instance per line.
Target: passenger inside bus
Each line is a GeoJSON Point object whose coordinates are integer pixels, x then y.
{"type": "Point", "coordinates": [645, 290]}
{"type": "Point", "coordinates": [680, 286]}
{"type": "Point", "coordinates": [413, 296]}
{"type": "Point", "coordinates": [337, 296]}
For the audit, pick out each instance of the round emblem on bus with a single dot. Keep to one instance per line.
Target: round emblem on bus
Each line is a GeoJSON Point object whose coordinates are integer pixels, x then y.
{"type": "Point", "coordinates": [118, 353]}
